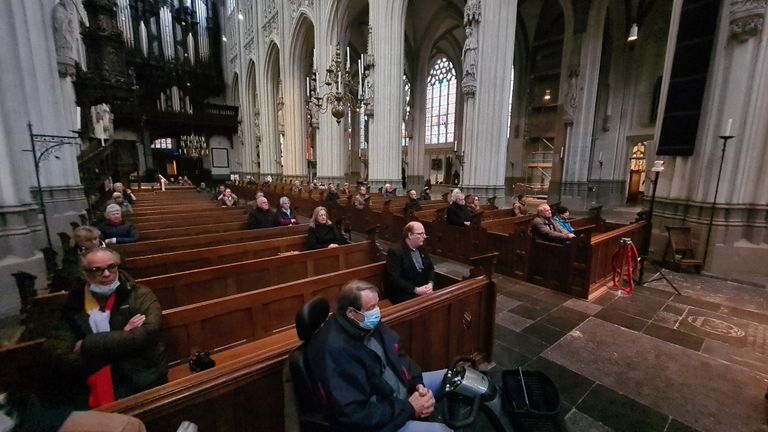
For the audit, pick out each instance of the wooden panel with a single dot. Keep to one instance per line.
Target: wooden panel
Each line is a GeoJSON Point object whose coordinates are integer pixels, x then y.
{"type": "Point", "coordinates": [225, 329]}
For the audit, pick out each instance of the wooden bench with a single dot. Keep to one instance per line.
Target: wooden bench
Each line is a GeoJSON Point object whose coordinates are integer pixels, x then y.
{"type": "Point", "coordinates": [200, 213]}
{"type": "Point", "coordinates": [176, 244]}
{"type": "Point", "coordinates": [173, 262]}
{"type": "Point", "coordinates": [183, 221]}
{"type": "Point", "coordinates": [166, 233]}
{"type": "Point", "coordinates": [681, 248]}
{"type": "Point", "coordinates": [246, 386]}
{"type": "Point", "coordinates": [184, 288]}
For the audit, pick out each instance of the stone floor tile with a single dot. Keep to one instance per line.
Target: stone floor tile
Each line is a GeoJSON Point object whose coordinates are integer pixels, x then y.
{"type": "Point", "coordinates": [571, 386]}
{"type": "Point", "coordinates": [543, 332]}
{"type": "Point", "coordinates": [644, 307]}
{"type": "Point", "coordinates": [507, 357]}
{"type": "Point", "coordinates": [564, 318]}
{"type": "Point", "coordinates": [533, 311]}
{"type": "Point", "coordinates": [728, 329]}
{"type": "Point", "coordinates": [677, 337]}
{"type": "Point", "coordinates": [504, 303]}
{"type": "Point", "coordinates": [512, 321]}
{"type": "Point", "coordinates": [625, 414]}
{"type": "Point", "coordinates": [583, 306]}
{"type": "Point", "coordinates": [749, 315]}
{"type": "Point", "coordinates": [744, 357]}
{"type": "Point", "coordinates": [621, 319]}
{"type": "Point", "coordinates": [576, 421]}
{"type": "Point", "coordinates": [524, 344]}
{"type": "Point", "coordinates": [653, 292]}
{"type": "Point", "coordinates": [604, 299]}
{"type": "Point", "coordinates": [678, 426]}
{"type": "Point", "coordinates": [698, 390]}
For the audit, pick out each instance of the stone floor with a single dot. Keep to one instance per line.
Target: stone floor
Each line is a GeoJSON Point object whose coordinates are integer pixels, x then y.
{"type": "Point", "coordinates": [649, 361]}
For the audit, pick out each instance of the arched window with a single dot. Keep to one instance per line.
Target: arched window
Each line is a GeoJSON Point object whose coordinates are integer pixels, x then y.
{"type": "Point", "coordinates": [441, 103]}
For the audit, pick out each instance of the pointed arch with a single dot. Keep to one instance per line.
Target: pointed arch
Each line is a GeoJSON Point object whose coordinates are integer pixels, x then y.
{"type": "Point", "coordinates": [250, 115]}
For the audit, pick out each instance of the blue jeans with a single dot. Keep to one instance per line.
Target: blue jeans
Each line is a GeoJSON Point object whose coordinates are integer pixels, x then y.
{"type": "Point", "coordinates": [432, 381]}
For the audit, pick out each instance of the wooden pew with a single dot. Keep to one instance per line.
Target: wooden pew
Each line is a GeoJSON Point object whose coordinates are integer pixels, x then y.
{"type": "Point", "coordinates": [246, 386]}
{"type": "Point", "coordinates": [186, 221]}
{"type": "Point", "coordinates": [200, 213]}
{"type": "Point", "coordinates": [174, 262]}
{"type": "Point", "coordinates": [179, 289]}
{"type": "Point", "coordinates": [153, 247]}
{"type": "Point", "coordinates": [166, 233]}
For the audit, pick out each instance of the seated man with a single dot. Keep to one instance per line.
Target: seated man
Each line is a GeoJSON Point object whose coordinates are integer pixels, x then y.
{"type": "Point", "coordinates": [458, 214]}
{"type": "Point", "coordinates": [425, 196]}
{"type": "Point", "coordinates": [219, 192]}
{"type": "Point", "coordinates": [359, 200]}
{"type": "Point", "coordinates": [545, 229]}
{"type": "Point", "coordinates": [110, 330]}
{"type": "Point", "coordinates": [228, 199]}
{"type": "Point", "coordinates": [114, 230]}
{"type": "Point", "coordinates": [369, 383]}
{"type": "Point", "coordinates": [262, 216]}
{"type": "Point", "coordinates": [130, 198]}
{"type": "Point", "coordinates": [332, 194]}
{"type": "Point", "coordinates": [410, 272]}
{"type": "Point", "coordinates": [119, 199]}
{"type": "Point", "coordinates": [412, 206]}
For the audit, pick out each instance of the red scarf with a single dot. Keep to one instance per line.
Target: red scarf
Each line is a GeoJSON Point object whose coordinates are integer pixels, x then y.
{"type": "Point", "coordinates": [102, 389]}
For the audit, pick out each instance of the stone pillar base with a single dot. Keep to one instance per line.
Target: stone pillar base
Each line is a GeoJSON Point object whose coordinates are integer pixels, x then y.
{"type": "Point", "coordinates": [581, 196]}
{"type": "Point", "coordinates": [483, 191]}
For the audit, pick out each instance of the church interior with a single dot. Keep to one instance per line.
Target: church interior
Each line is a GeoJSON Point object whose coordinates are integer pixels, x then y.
{"type": "Point", "coordinates": [644, 120]}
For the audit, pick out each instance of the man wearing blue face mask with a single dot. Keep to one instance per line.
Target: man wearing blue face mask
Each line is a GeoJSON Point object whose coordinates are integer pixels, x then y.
{"type": "Point", "coordinates": [110, 332]}
{"type": "Point", "coordinates": [367, 382]}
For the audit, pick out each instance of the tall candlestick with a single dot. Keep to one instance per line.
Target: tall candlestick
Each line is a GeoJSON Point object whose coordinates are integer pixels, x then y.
{"type": "Point", "coordinates": [339, 80]}
{"type": "Point", "coordinates": [347, 57]}
{"type": "Point", "coordinates": [600, 158]}
{"type": "Point", "coordinates": [360, 78]}
{"type": "Point", "coordinates": [314, 59]}
{"type": "Point", "coordinates": [455, 146]}
{"type": "Point", "coordinates": [728, 128]}
{"type": "Point", "coordinates": [307, 86]}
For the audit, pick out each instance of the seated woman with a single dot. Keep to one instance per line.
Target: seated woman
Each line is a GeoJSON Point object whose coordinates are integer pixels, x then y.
{"type": "Point", "coordinates": [562, 217]}
{"type": "Point", "coordinates": [322, 233]}
{"type": "Point", "coordinates": [359, 200]}
{"type": "Point", "coordinates": [228, 199]}
{"type": "Point", "coordinates": [332, 194]}
{"type": "Point", "coordinates": [114, 230]}
{"type": "Point", "coordinates": [285, 214]}
{"type": "Point", "coordinates": [472, 202]}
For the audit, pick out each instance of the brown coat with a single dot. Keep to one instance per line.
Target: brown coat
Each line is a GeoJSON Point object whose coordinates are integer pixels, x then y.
{"type": "Point", "coordinates": [546, 229]}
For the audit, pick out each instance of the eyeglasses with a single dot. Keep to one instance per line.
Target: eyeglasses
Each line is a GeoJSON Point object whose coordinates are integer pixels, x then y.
{"type": "Point", "coordinates": [98, 271]}
{"type": "Point", "coordinates": [422, 234]}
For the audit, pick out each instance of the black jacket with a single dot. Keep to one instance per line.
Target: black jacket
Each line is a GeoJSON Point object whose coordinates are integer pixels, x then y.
{"type": "Point", "coordinates": [125, 233]}
{"type": "Point", "coordinates": [457, 214]}
{"type": "Point", "coordinates": [350, 376]}
{"type": "Point", "coordinates": [321, 236]}
{"type": "Point", "coordinates": [412, 206]}
{"type": "Point", "coordinates": [402, 275]}
{"type": "Point", "coordinates": [259, 218]}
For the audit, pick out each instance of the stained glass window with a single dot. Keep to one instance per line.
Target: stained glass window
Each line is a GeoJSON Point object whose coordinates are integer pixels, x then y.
{"type": "Point", "coordinates": [441, 103]}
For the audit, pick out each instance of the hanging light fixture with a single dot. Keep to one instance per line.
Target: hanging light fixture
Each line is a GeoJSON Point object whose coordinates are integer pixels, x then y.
{"type": "Point", "coordinates": [240, 16]}
{"type": "Point", "coordinates": [547, 95]}
{"type": "Point", "coordinates": [223, 38]}
{"type": "Point", "coordinates": [632, 33]}
{"type": "Point", "coordinates": [340, 85]}
{"type": "Point", "coordinates": [193, 146]}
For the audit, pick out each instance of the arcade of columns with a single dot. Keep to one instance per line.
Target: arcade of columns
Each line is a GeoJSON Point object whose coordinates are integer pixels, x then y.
{"type": "Point", "coordinates": [604, 94]}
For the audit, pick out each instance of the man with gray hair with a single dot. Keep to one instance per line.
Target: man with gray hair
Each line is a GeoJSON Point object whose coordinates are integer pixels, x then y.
{"type": "Point", "coordinates": [115, 230]}
{"type": "Point", "coordinates": [369, 382]}
{"type": "Point", "coordinates": [119, 199]}
{"type": "Point", "coordinates": [129, 197]}
{"type": "Point", "coordinates": [262, 216]}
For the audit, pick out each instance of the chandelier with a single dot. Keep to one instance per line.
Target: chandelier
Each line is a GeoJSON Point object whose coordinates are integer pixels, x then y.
{"type": "Point", "coordinates": [338, 80]}
{"type": "Point", "coordinates": [193, 146]}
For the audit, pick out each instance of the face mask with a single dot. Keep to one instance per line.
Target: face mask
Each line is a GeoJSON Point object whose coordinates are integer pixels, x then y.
{"type": "Point", "coordinates": [104, 290]}
{"type": "Point", "coordinates": [372, 319]}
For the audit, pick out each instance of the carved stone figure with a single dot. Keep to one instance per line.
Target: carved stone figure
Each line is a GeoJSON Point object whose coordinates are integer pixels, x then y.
{"type": "Point", "coordinates": [469, 62]}
{"type": "Point", "coordinates": [368, 87]}
{"type": "Point", "coordinates": [102, 120]}
{"type": "Point", "coordinates": [472, 12]}
{"type": "Point", "coordinates": [746, 18]}
{"type": "Point", "coordinates": [66, 28]}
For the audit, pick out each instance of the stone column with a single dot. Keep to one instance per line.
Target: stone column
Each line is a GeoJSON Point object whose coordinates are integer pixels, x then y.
{"type": "Point", "coordinates": [388, 20]}
{"type": "Point", "coordinates": [29, 83]}
{"type": "Point", "coordinates": [735, 90]}
{"type": "Point", "coordinates": [331, 144]}
{"type": "Point", "coordinates": [483, 168]}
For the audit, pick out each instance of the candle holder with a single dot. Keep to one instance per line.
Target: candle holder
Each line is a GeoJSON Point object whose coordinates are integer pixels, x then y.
{"type": "Point", "coordinates": [339, 82]}
{"type": "Point", "coordinates": [727, 137]}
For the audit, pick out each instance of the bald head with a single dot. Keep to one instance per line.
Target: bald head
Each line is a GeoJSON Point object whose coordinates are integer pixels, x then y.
{"type": "Point", "coordinates": [262, 203]}
{"type": "Point", "coordinates": [544, 211]}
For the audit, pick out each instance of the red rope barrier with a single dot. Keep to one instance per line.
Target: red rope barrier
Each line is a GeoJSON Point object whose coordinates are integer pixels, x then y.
{"type": "Point", "coordinates": [625, 257]}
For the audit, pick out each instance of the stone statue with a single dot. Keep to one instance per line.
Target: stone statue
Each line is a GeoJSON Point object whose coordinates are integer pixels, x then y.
{"type": "Point", "coordinates": [280, 115]}
{"type": "Point", "coordinates": [102, 120]}
{"type": "Point", "coordinates": [469, 56]}
{"type": "Point", "coordinates": [368, 87]}
{"type": "Point", "coordinates": [66, 28]}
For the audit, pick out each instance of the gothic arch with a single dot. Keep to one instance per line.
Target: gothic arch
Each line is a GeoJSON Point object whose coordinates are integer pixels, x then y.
{"type": "Point", "coordinates": [251, 120]}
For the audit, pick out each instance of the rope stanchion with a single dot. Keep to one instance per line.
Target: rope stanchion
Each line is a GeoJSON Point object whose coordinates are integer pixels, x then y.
{"type": "Point", "coordinates": [625, 262]}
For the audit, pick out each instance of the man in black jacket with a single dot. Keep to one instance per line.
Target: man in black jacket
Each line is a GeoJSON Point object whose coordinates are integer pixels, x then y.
{"type": "Point", "coordinates": [367, 382]}
{"type": "Point", "coordinates": [262, 216]}
{"type": "Point", "coordinates": [410, 272]}
{"type": "Point", "coordinates": [458, 214]}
